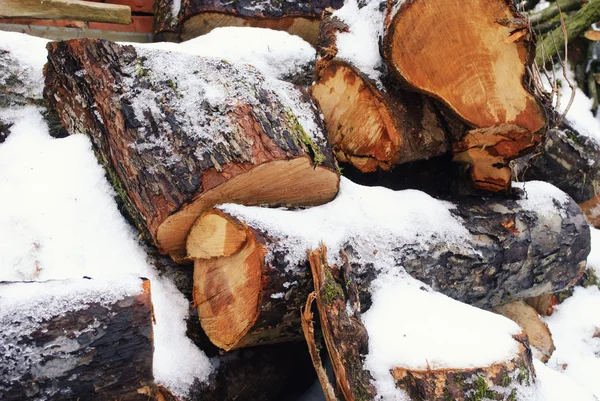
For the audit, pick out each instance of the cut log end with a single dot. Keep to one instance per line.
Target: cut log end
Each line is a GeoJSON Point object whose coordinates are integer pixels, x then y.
{"type": "Point", "coordinates": [215, 235]}
{"type": "Point", "coordinates": [306, 28]}
{"type": "Point", "coordinates": [481, 78]}
{"type": "Point", "coordinates": [282, 182]}
{"type": "Point", "coordinates": [367, 127]}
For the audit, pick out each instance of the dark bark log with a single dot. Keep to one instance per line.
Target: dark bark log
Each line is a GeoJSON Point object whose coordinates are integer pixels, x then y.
{"type": "Point", "coordinates": [77, 341]}
{"type": "Point", "coordinates": [372, 125]}
{"type": "Point", "coordinates": [301, 18]}
{"type": "Point", "coordinates": [459, 66]}
{"type": "Point", "coordinates": [347, 341]}
{"type": "Point", "coordinates": [166, 25]}
{"type": "Point", "coordinates": [179, 133]}
{"type": "Point", "coordinates": [569, 161]}
{"type": "Point", "coordinates": [249, 295]}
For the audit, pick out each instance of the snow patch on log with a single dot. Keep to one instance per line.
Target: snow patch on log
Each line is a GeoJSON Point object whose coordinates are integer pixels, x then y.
{"type": "Point", "coordinates": [403, 217]}
{"type": "Point", "coordinates": [59, 220]}
{"type": "Point", "coordinates": [543, 198]}
{"type": "Point", "coordinates": [412, 327]}
{"type": "Point", "coordinates": [274, 53]}
{"type": "Point", "coordinates": [360, 45]}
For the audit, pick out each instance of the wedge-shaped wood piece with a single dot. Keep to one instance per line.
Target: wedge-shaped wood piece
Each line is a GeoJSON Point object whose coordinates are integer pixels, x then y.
{"type": "Point", "coordinates": [474, 59]}
{"type": "Point", "coordinates": [484, 254]}
{"type": "Point", "coordinates": [536, 329]}
{"type": "Point", "coordinates": [66, 9]}
{"type": "Point", "coordinates": [372, 124]}
{"type": "Point", "coordinates": [179, 133]}
{"type": "Point", "coordinates": [76, 339]}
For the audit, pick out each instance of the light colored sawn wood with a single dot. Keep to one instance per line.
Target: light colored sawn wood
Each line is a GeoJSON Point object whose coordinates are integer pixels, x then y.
{"type": "Point", "coordinates": [66, 9]}
{"type": "Point", "coordinates": [215, 235]}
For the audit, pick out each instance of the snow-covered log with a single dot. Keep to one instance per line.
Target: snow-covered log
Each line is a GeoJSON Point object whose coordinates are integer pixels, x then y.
{"type": "Point", "coordinates": [371, 123]}
{"type": "Point", "coordinates": [179, 133]}
{"type": "Point", "coordinates": [198, 17]}
{"type": "Point", "coordinates": [570, 161]}
{"type": "Point", "coordinates": [251, 270]}
{"type": "Point", "coordinates": [390, 352]}
{"type": "Point", "coordinates": [477, 68]}
{"type": "Point", "coordinates": [76, 339]}
{"type": "Point", "coordinates": [540, 338]}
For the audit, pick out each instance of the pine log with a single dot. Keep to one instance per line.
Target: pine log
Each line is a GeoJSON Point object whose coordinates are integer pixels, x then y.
{"type": "Point", "coordinates": [540, 337]}
{"type": "Point", "coordinates": [76, 339]}
{"type": "Point", "coordinates": [348, 341]}
{"type": "Point", "coordinates": [179, 133]}
{"type": "Point", "coordinates": [475, 61]}
{"type": "Point", "coordinates": [554, 10]}
{"type": "Point", "coordinates": [66, 9]}
{"type": "Point", "coordinates": [372, 124]}
{"type": "Point", "coordinates": [568, 160]}
{"type": "Point", "coordinates": [198, 17]}
{"type": "Point", "coordinates": [252, 277]}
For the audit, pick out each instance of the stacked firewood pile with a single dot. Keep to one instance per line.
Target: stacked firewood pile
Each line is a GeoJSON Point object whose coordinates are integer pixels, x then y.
{"type": "Point", "coordinates": [203, 153]}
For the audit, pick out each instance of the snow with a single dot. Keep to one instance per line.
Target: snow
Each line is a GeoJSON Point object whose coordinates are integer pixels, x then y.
{"type": "Point", "coordinates": [553, 386]}
{"type": "Point", "coordinates": [542, 197]}
{"type": "Point", "coordinates": [580, 113]}
{"type": "Point", "coordinates": [360, 45]}
{"type": "Point", "coordinates": [274, 53]}
{"type": "Point", "coordinates": [420, 219]}
{"type": "Point", "coordinates": [29, 55]}
{"type": "Point", "coordinates": [411, 326]}
{"type": "Point", "coordinates": [59, 221]}
{"type": "Point", "coordinates": [575, 327]}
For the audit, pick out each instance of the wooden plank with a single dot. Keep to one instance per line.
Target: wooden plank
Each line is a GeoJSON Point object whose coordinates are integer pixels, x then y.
{"type": "Point", "coordinates": [140, 24]}
{"type": "Point", "coordinates": [66, 9]}
{"type": "Point", "coordinates": [56, 33]}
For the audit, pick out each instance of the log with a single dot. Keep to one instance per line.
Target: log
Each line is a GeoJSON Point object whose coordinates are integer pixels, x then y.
{"type": "Point", "coordinates": [540, 337]}
{"type": "Point", "coordinates": [76, 339]}
{"type": "Point", "coordinates": [460, 64]}
{"type": "Point", "coordinates": [372, 124]}
{"type": "Point", "coordinates": [568, 160]}
{"type": "Point", "coordinates": [19, 82]}
{"type": "Point", "coordinates": [66, 9]}
{"type": "Point", "coordinates": [190, 137]}
{"type": "Point", "coordinates": [554, 10]}
{"type": "Point", "coordinates": [576, 24]}
{"type": "Point", "coordinates": [198, 17]}
{"type": "Point", "coordinates": [352, 340]}
{"type": "Point", "coordinates": [165, 27]}
{"type": "Point", "coordinates": [252, 277]}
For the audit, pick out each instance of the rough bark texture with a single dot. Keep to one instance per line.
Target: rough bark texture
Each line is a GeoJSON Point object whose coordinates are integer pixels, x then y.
{"type": "Point", "coordinates": [96, 351]}
{"type": "Point", "coordinates": [301, 18]}
{"type": "Point", "coordinates": [345, 336]}
{"type": "Point", "coordinates": [554, 10]}
{"type": "Point", "coordinates": [252, 296]}
{"type": "Point", "coordinates": [372, 125]}
{"type": "Point", "coordinates": [166, 26]}
{"type": "Point", "coordinates": [569, 161]}
{"type": "Point", "coordinates": [536, 329]}
{"type": "Point", "coordinates": [171, 148]}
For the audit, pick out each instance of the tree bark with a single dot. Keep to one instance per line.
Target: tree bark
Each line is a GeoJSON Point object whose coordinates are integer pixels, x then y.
{"type": "Point", "coordinates": [74, 339]}
{"type": "Point", "coordinates": [301, 18]}
{"type": "Point", "coordinates": [348, 341]}
{"type": "Point", "coordinates": [372, 125]}
{"type": "Point", "coordinates": [568, 160]}
{"type": "Point", "coordinates": [66, 9]}
{"type": "Point", "coordinates": [165, 27]}
{"type": "Point", "coordinates": [248, 291]}
{"type": "Point", "coordinates": [554, 41]}
{"type": "Point", "coordinates": [177, 137]}
{"type": "Point", "coordinates": [459, 63]}
{"type": "Point", "coordinates": [554, 10]}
